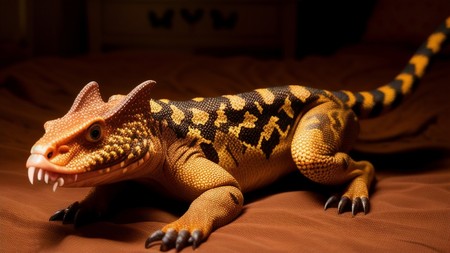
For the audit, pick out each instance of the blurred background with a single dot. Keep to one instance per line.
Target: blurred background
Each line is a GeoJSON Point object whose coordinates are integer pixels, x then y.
{"type": "Point", "coordinates": [259, 28]}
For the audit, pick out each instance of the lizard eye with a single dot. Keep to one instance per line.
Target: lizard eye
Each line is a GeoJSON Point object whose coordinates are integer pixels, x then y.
{"type": "Point", "coordinates": [94, 132]}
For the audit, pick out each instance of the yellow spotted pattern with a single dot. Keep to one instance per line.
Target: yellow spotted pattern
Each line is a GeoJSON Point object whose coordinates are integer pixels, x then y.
{"type": "Point", "coordinates": [177, 114]}
{"type": "Point", "coordinates": [221, 117]}
{"type": "Point", "coordinates": [237, 103]}
{"type": "Point", "coordinates": [199, 117]}
{"type": "Point", "coordinates": [266, 95]}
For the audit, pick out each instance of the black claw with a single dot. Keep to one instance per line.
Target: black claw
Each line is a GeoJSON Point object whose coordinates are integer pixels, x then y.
{"type": "Point", "coordinates": [330, 201]}
{"type": "Point", "coordinates": [342, 204]}
{"type": "Point", "coordinates": [66, 215]}
{"type": "Point", "coordinates": [59, 215]}
{"type": "Point", "coordinates": [197, 237]}
{"type": "Point", "coordinates": [182, 239]}
{"type": "Point", "coordinates": [164, 247]}
{"type": "Point", "coordinates": [168, 241]}
{"type": "Point", "coordinates": [172, 239]}
{"type": "Point", "coordinates": [156, 236]}
{"type": "Point", "coordinates": [83, 217]}
{"type": "Point", "coordinates": [75, 214]}
{"type": "Point", "coordinates": [79, 219]}
{"type": "Point", "coordinates": [356, 205]}
{"type": "Point", "coordinates": [365, 204]}
{"type": "Point", "coordinates": [70, 213]}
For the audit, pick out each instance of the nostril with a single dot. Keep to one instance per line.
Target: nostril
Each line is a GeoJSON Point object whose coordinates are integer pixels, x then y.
{"type": "Point", "coordinates": [49, 153]}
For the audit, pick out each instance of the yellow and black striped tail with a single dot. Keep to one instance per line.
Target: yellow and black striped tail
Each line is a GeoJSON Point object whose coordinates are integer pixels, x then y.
{"type": "Point", "coordinates": [367, 104]}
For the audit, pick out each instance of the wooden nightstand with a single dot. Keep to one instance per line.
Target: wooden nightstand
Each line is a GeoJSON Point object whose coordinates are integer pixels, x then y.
{"type": "Point", "coordinates": [198, 25]}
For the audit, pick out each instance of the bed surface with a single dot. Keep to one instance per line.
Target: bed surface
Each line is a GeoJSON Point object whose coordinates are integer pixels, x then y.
{"type": "Point", "coordinates": [410, 202]}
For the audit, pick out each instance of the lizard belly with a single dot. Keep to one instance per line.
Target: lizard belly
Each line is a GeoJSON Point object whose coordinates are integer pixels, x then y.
{"type": "Point", "coordinates": [250, 166]}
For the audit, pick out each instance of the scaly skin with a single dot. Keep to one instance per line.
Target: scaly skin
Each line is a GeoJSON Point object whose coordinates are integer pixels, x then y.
{"type": "Point", "coordinates": [208, 151]}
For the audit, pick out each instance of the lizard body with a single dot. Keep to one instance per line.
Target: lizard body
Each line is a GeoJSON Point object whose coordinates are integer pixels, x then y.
{"type": "Point", "coordinates": [208, 151]}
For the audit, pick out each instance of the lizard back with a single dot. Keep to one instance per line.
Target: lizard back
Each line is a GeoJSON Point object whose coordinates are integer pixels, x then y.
{"type": "Point", "coordinates": [260, 119]}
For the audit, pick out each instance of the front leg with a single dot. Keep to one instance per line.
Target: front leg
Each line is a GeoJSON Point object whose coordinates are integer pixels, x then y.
{"type": "Point", "coordinates": [214, 208]}
{"type": "Point", "coordinates": [217, 201]}
{"type": "Point", "coordinates": [97, 205]}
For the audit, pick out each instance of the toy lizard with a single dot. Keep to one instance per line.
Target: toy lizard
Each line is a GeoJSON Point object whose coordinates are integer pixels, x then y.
{"type": "Point", "coordinates": [208, 151]}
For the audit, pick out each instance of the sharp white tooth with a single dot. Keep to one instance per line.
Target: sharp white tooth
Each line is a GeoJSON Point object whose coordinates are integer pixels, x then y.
{"type": "Point", "coordinates": [31, 171]}
{"type": "Point", "coordinates": [46, 176]}
{"type": "Point", "coordinates": [39, 174]}
{"type": "Point", "coordinates": [60, 181]}
{"type": "Point", "coordinates": [55, 185]}
{"type": "Point", "coordinates": [147, 156]}
{"type": "Point", "coordinates": [122, 164]}
{"type": "Point", "coordinates": [76, 177]}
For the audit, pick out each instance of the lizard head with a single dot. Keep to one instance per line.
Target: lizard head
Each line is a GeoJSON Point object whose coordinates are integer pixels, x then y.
{"type": "Point", "coordinates": [96, 142]}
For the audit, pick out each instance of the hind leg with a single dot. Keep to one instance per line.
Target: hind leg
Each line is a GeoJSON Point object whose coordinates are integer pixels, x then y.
{"type": "Point", "coordinates": [322, 138]}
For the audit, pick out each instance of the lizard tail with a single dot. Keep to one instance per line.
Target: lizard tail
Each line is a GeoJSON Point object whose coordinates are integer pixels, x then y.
{"type": "Point", "coordinates": [367, 104]}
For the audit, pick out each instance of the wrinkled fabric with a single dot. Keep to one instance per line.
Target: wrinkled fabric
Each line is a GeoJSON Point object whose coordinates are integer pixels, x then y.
{"type": "Point", "coordinates": [410, 203]}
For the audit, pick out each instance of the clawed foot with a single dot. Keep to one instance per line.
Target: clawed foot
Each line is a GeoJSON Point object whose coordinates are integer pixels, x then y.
{"type": "Point", "coordinates": [356, 194]}
{"type": "Point", "coordinates": [74, 214]}
{"type": "Point", "coordinates": [176, 239]}
{"type": "Point", "coordinates": [357, 204]}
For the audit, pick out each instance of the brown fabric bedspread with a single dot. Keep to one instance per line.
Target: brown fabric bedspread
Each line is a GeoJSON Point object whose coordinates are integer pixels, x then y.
{"type": "Point", "coordinates": [410, 203]}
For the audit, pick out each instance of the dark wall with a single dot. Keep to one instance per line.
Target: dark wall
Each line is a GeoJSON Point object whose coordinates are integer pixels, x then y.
{"type": "Point", "coordinates": [324, 26]}
{"type": "Point", "coordinates": [60, 27]}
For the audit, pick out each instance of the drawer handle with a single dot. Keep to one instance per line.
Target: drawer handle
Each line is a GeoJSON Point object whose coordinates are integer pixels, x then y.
{"type": "Point", "coordinates": [220, 21]}
{"type": "Point", "coordinates": [161, 22]}
{"type": "Point", "coordinates": [192, 18]}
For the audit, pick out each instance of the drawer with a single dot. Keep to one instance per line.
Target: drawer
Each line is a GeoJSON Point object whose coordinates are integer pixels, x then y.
{"type": "Point", "coordinates": [191, 24]}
